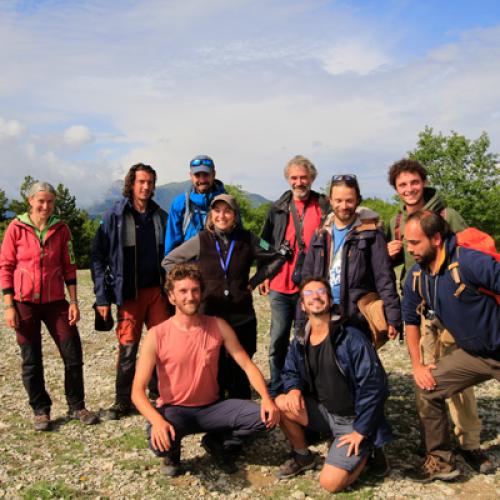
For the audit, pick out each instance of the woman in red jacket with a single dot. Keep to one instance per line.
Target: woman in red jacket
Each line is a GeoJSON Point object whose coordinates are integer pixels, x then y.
{"type": "Point", "coordinates": [36, 261]}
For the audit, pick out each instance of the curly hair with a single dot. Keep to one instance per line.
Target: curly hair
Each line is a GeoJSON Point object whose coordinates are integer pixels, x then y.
{"type": "Point", "coordinates": [130, 178]}
{"type": "Point", "coordinates": [405, 165]}
{"type": "Point", "coordinates": [181, 272]}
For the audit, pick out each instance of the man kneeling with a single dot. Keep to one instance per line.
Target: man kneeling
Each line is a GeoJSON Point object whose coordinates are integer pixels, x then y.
{"type": "Point", "coordinates": [185, 350]}
{"type": "Point", "coordinates": [334, 384]}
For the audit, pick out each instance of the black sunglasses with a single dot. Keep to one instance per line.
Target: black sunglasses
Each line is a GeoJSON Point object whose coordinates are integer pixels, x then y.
{"type": "Point", "coordinates": [344, 177]}
{"type": "Point", "coordinates": [205, 161]}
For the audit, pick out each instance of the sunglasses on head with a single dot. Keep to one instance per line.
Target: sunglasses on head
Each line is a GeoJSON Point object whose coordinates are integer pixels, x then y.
{"type": "Point", "coordinates": [344, 177]}
{"type": "Point", "coordinates": [204, 161]}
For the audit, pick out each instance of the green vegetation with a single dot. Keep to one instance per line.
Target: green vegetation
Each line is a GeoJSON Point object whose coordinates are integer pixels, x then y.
{"type": "Point", "coordinates": [466, 175]}
{"type": "Point", "coordinates": [46, 490]}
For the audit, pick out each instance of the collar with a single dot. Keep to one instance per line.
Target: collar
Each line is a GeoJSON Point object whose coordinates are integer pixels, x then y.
{"type": "Point", "coordinates": [440, 258]}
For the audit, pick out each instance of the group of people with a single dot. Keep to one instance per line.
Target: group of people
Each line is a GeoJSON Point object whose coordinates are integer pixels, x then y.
{"type": "Point", "coordinates": [328, 268]}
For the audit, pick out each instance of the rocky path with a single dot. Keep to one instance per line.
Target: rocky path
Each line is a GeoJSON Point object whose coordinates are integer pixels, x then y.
{"type": "Point", "coordinates": [111, 460]}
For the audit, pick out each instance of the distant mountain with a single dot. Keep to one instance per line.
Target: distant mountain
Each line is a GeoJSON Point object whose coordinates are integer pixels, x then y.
{"type": "Point", "coordinates": [163, 196]}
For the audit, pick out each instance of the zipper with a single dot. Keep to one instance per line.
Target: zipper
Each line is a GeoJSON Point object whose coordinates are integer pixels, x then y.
{"type": "Point", "coordinates": [42, 255]}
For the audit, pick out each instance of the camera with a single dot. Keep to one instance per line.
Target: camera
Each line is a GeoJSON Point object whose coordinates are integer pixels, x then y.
{"type": "Point", "coordinates": [286, 250]}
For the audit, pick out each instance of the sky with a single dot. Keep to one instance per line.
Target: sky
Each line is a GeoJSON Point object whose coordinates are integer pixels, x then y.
{"type": "Point", "coordinates": [89, 88]}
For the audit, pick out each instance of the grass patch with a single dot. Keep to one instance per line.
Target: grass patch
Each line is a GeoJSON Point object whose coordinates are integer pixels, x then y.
{"type": "Point", "coordinates": [45, 489]}
{"type": "Point", "coordinates": [134, 439]}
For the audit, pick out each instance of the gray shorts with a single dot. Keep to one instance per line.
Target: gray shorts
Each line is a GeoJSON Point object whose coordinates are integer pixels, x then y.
{"type": "Point", "coordinates": [320, 420]}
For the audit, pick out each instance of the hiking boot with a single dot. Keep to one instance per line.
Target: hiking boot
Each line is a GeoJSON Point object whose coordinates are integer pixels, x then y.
{"type": "Point", "coordinates": [171, 464]}
{"type": "Point", "coordinates": [85, 416]}
{"type": "Point", "coordinates": [378, 463]}
{"type": "Point", "coordinates": [117, 411]}
{"type": "Point", "coordinates": [478, 460]}
{"type": "Point", "coordinates": [222, 457]}
{"type": "Point", "coordinates": [42, 422]}
{"type": "Point", "coordinates": [434, 468]}
{"type": "Point", "coordinates": [297, 464]}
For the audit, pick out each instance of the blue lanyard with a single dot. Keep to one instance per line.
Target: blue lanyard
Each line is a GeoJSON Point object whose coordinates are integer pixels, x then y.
{"type": "Point", "coordinates": [224, 264]}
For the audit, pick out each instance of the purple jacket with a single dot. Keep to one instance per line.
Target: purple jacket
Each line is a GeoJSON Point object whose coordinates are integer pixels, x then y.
{"type": "Point", "coordinates": [366, 266]}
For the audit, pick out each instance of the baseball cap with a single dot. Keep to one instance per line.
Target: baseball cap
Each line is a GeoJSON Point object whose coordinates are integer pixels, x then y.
{"type": "Point", "coordinates": [202, 163]}
{"type": "Point", "coordinates": [226, 198]}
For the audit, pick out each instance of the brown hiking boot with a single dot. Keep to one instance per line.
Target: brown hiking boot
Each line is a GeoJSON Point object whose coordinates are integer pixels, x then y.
{"type": "Point", "coordinates": [297, 464]}
{"type": "Point", "coordinates": [42, 422]}
{"type": "Point", "coordinates": [85, 416]}
{"type": "Point", "coordinates": [434, 468]}
{"type": "Point", "coordinates": [478, 460]}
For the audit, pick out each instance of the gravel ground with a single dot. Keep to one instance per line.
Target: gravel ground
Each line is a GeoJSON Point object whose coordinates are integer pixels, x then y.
{"type": "Point", "coordinates": [111, 460]}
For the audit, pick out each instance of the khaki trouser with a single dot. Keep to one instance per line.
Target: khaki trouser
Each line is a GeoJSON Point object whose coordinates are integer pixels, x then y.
{"type": "Point", "coordinates": [436, 342]}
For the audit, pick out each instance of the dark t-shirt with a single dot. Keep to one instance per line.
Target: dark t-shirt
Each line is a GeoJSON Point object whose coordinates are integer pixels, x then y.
{"type": "Point", "coordinates": [330, 385]}
{"type": "Point", "coordinates": [148, 269]}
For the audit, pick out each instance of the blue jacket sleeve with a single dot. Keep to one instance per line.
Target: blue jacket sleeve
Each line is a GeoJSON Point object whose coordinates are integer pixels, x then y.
{"type": "Point", "coordinates": [99, 264]}
{"type": "Point", "coordinates": [479, 270]}
{"type": "Point", "coordinates": [292, 376]}
{"type": "Point", "coordinates": [411, 300]}
{"type": "Point", "coordinates": [385, 280]}
{"type": "Point", "coordinates": [370, 384]}
{"type": "Point", "coordinates": [173, 233]}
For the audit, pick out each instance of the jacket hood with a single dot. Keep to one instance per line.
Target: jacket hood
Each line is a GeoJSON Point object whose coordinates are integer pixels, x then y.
{"type": "Point", "coordinates": [25, 219]}
{"type": "Point", "coordinates": [364, 216]}
{"type": "Point", "coordinates": [335, 322]}
{"type": "Point", "coordinates": [202, 200]}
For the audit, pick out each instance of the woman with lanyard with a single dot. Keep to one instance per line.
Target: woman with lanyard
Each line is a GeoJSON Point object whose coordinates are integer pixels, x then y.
{"type": "Point", "coordinates": [36, 261]}
{"type": "Point", "coordinates": [225, 252]}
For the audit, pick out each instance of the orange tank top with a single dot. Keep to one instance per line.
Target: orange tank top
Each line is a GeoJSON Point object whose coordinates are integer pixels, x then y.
{"type": "Point", "coordinates": [187, 363]}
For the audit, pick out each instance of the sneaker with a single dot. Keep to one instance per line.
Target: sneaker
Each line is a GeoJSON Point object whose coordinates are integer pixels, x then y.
{"type": "Point", "coordinates": [222, 457]}
{"type": "Point", "coordinates": [378, 463]}
{"type": "Point", "coordinates": [434, 468]}
{"type": "Point", "coordinates": [42, 422]}
{"type": "Point", "coordinates": [478, 460]}
{"type": "Point", "coordinates": [117, 411]}
{"type": "Point", "coordinates": [297, 464]}
{"type": "Point", "coordinates": [171, 464]}
{"type": "Point", "coordinates": [85, 416]}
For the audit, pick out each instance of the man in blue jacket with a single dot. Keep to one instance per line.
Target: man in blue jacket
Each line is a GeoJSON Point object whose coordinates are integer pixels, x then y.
{"type": "Point", "coordinates": [126, 270]}
{"type": "Point", "coordinates": [188, 211]}
{"type": "Point", "coordinates": [334, 384]}
{"type": "Point", "coordinates": [445, 285]}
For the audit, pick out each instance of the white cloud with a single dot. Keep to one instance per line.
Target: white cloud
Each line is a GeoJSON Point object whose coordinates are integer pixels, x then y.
{"type": "Point", "coordinates": [10, 128]}
{"type": "Point", "coordinates": [77, 135]}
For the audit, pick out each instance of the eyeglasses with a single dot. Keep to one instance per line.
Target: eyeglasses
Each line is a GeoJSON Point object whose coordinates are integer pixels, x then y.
{"type": "Point", "coordinates": [344, 177]}
{"type": "Point", "coordinates": [204, 161]}
{"type": "Point", "coordinates": [319, 291]}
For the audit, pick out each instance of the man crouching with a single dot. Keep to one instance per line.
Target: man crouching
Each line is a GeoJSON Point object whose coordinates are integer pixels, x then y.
{"type": "Point", "coordinates": [334, 384]}
{"type": "Point", "coordinates": [185, 350]}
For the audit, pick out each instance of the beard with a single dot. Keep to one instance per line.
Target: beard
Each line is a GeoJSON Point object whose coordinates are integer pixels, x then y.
{"type": "Point", "coordinates": [319, 312]}
{"type": "Point", "coordinates": [426, 258]}
{"type": "Point", "coordinates": [188, 308]}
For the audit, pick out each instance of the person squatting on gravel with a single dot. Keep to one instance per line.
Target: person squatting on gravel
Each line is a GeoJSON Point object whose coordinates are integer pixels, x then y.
{"type": "Point", "coordinates": [185, 350]}
{"type": "Point", "coordinates": [126, 270]}
{"type": "Point", "coordinates": [36, 261]}
{"type": "Point", "coordinates": [334, 384]}
{"type": "Point", "coordinates": [225, 253]}
{"type": "Point", "coordinates": [469, 314]}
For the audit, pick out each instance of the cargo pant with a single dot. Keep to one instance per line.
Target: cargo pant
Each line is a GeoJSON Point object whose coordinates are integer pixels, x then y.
{"type": "Point", "coordinates": [436, 342]}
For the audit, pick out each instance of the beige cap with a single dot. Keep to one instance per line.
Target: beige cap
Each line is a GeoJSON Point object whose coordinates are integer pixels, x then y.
{"type": "Point", "coordinates": [226, 198]}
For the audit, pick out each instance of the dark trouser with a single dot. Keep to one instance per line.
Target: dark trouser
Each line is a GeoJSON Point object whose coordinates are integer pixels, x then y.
{"type": "Point", "coordinates": [149, 308]}
{"type": "Point", "coordinates": [282, 314]}
{"type": "Point", "coordinates": [453, 374]}
{"type": "Point", "coordinates": [67, 339]}
{"type": "Point", "coordinates": [233, 381]}
{"type": "Point", "coordinates": [235, 417]}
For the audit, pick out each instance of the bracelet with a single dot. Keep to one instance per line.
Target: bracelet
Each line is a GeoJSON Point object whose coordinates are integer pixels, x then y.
{"type": "Point", "coordinates": [74, 302]}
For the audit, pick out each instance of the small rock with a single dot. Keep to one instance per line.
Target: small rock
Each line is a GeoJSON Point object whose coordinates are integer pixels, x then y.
{"type": "Point", "coordinates": [298, 495]}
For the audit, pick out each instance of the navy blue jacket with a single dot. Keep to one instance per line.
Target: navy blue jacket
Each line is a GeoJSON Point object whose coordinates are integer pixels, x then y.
{"type": "Point", "coordinates": [473, 318]}
{"type": "Point", "coordinates": [358, 362]}
{"type": "Point", "coordinates": [107, 252]}
{"type": "Point", "coordinates": [366, 267]}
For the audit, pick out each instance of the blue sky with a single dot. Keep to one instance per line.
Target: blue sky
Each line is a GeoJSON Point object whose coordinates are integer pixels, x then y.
{"type": "Point", "coordinates": [90, 87]}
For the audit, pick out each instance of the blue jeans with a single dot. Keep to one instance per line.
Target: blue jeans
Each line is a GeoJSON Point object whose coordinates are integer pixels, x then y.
{"type": "Point", "coordinates": [283, 307]}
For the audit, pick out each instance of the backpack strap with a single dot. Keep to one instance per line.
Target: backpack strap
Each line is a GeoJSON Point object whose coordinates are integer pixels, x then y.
{"type": "Point", "coordinates": [188, 214]}
{"type": "Point", "coordinates": [455, 275]}
{"type": "Point", "coordinates": [416, 286]}
{"type": "Point", "coordinates": [397, 226]}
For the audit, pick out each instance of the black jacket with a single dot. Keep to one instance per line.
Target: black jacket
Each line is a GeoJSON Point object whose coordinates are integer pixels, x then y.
{"type": "Point", "coordinates": [277, 217]}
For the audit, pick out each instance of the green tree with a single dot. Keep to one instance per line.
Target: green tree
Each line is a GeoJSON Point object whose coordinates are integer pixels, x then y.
{"type": "Point", "coordinates": [20, 206]}
{"type": "Point", "coordinates": [465, 173]}
{"type": "Point", "coordinates": [385, 209]}
{"type": "Point", "coordinates": [4, 202]}
{"type": "Point", "coordinates": [252, 217]}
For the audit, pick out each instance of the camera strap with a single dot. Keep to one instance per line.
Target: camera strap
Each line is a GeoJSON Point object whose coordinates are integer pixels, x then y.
{"type": "Point", "coordinates": [298, 222]}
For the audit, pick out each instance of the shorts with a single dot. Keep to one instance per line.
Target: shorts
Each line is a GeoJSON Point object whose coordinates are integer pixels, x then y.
{"type": "Point", "coordinates": [322, 421]}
